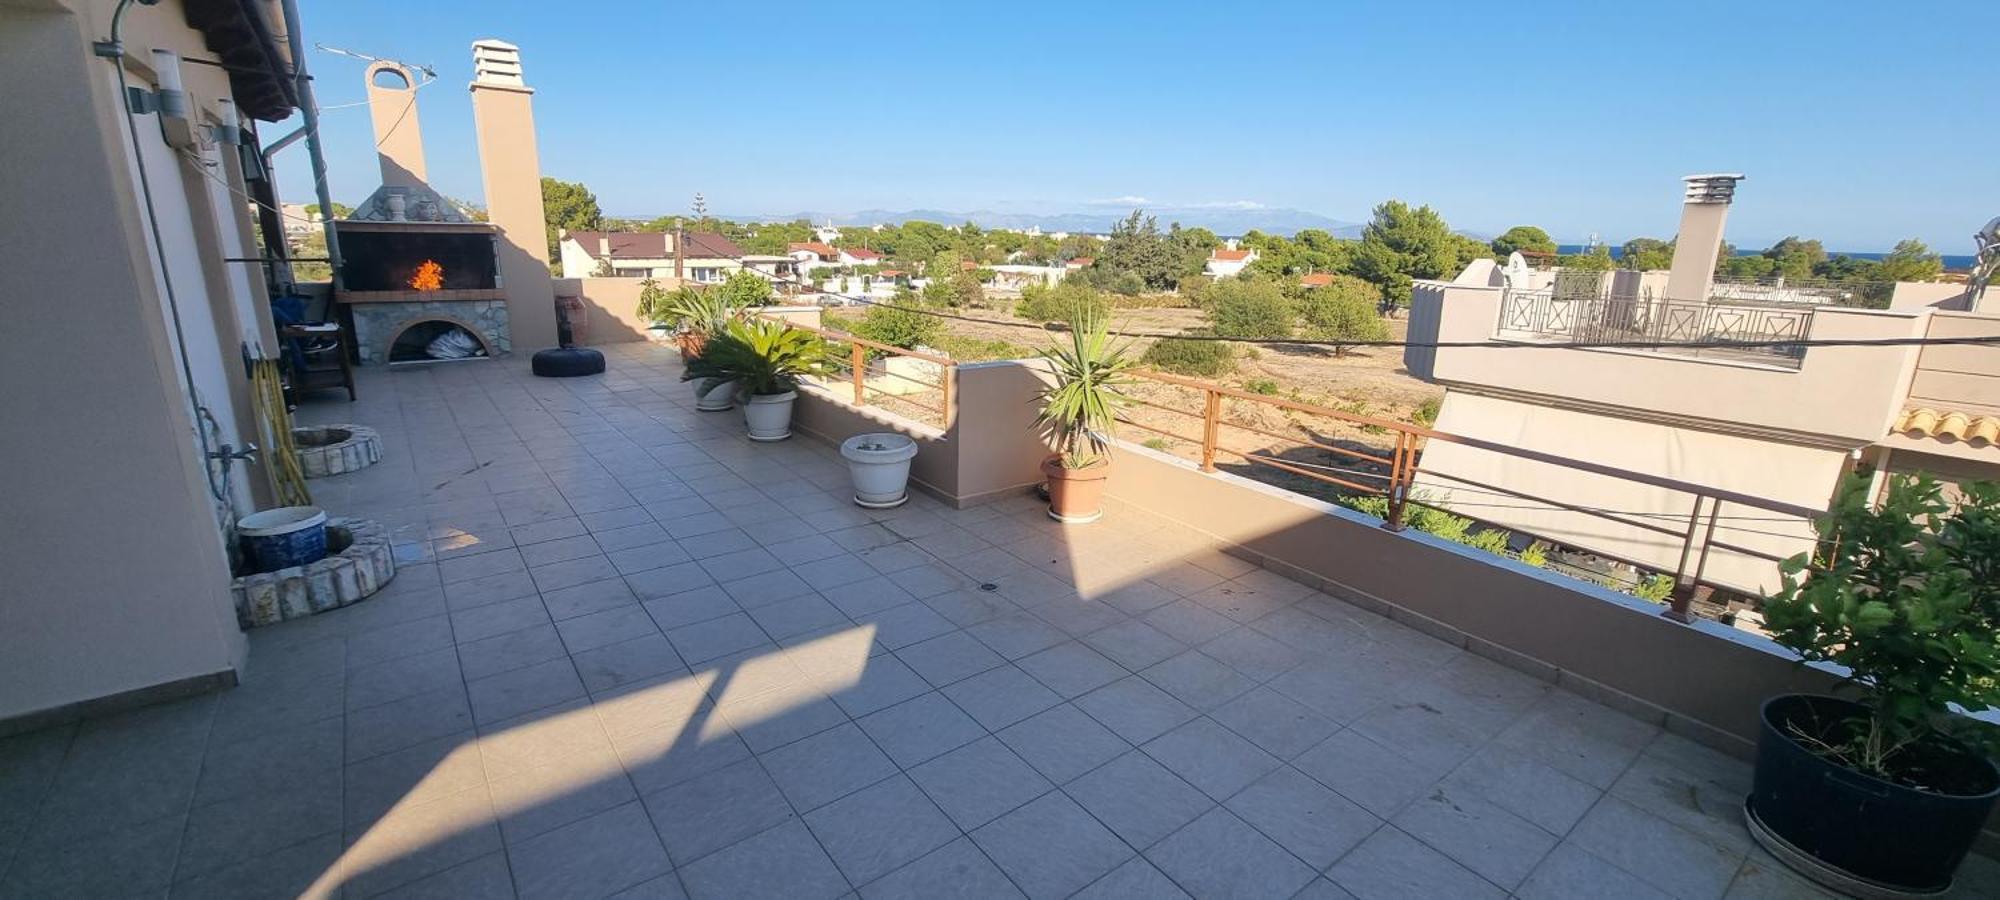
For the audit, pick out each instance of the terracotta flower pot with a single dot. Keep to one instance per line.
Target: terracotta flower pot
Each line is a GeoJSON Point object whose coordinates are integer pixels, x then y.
{"type": "Point", "coordinates": [690, 343]}
{"type": "Point", "coordinates": [1076, 496]}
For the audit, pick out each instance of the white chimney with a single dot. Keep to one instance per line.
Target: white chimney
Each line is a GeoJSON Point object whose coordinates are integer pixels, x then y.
{"type": "Point", "coordinates": [603, 246]}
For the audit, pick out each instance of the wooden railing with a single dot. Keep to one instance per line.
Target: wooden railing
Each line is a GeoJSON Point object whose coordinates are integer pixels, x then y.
{"type": "Point", "coordinates": [853, 369]}
{"type": "Point", "coordinates": [1392, 473]}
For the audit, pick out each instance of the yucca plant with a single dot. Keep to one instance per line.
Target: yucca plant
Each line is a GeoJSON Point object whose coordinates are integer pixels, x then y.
{"type": "Point", "coordinates": [765, 357]}
{"type": "Point", "coordinates": [1079, 410]}
{"type": "Point", "coordinates": [694, 313]}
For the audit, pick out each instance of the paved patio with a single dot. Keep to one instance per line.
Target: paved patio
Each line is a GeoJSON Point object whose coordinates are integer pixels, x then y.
{"type": "Point", "coordinates": [630, 653]}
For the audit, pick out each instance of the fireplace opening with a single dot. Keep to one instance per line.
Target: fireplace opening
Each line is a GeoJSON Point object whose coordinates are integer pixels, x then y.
{"type": "Point", "coordinates": [434, 340]}
{"type": "Point", "coordinates": [453, 260]}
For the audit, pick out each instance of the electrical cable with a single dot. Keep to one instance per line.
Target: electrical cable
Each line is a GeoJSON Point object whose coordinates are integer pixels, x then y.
{"type": "Point", "coordinates": [199, 411]}
{"type": "Point", "coordinates": [201, 165]}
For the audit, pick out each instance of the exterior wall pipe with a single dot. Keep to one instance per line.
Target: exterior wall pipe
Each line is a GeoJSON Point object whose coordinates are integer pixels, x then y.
{"type": "Point", "coordinates": [309, 109]}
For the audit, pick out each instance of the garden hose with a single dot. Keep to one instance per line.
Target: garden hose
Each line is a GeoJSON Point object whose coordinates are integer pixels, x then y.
{"type": "Point", "coordinates": [281, 461]}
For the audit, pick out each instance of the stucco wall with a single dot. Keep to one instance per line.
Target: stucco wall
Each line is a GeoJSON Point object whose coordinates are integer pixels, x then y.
{"type": "Point", "coordinates": [1789, 473]}
{"type": "Point", "coordinates": [1963, 377]}
{"type": "Point", "coordinates": [115, 577]}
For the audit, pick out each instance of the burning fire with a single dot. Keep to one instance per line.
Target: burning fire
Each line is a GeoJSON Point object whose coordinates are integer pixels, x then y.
{"type": "Point", "coordinates": [429, 277]}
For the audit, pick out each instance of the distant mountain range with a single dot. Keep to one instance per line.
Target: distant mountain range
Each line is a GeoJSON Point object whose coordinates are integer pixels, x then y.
{"type": "Point", "coordinates": [1228, 221]}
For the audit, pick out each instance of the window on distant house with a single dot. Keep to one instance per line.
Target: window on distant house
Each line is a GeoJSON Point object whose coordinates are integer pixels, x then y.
{"type": "Point", "coordinates": [707, 274]}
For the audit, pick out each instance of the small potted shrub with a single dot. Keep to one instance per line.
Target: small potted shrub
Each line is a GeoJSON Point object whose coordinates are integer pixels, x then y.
{"type": "Point", "coordinates": [1882, 792]}
{"type": "Point", "coordinates": [765, 360]}
{"type": "Point", "coordinates": [1078, 415]}
{"type": "Point", "coordinates": [880, 466]}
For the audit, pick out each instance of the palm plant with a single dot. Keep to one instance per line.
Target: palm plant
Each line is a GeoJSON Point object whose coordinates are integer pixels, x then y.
{"type": "Point", "coordinates": [694, 313]}
{"type": "Point", "coordinates": [1079, 408]}
{"type": "Point", "coordinates": [765, 357]}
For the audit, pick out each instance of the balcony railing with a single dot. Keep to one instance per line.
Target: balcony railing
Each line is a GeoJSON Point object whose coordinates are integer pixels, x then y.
{"type": "Point", "coordinates": [1317, 451]}
{"type": "Point", "coordinates": [1806, 291]}
{"type": "Point", "coordinates": [1746, 332]}
{"type": "Point", "coordinates": [909, 383]}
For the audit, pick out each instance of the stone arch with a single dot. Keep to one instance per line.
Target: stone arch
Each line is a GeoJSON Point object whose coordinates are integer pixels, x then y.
{"type": "Point", "coordinates": [389, 347]}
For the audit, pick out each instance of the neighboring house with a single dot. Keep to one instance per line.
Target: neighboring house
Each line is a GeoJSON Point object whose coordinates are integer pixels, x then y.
{"type": "Point", "coordinates": [809, 256]}
{"type": "Point", "coordinates": [1015, 277]}
{"type": "Point", "coordinates": [780, 270]}
{"type": "Point", "coordinates": [1316, 279]}
{"type": "Point", "coordinates": [703, 258]}
{"type": "Point", "coordinates": [1774, 422]}
{"type": "Point", "coordinates": [857, 256]}
{"type": "Point", "coordinates": [1224, 262]}
{"type": "Point", "coordinates": [591, 254]}
{"type": "Point", "coordinates": [709, 258]}
{"type": "Point", "coordinates": [1081, 262]}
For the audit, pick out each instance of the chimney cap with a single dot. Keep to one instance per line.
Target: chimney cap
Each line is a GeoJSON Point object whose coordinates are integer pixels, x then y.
{"type": "Point", "coordinates": [496, 62]}
{"type": "Point", "coordinates": [1719, 187]}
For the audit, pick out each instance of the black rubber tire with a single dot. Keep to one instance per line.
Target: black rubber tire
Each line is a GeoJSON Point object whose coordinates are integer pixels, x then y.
{"type": "Point", "coordinates": [568, 362]}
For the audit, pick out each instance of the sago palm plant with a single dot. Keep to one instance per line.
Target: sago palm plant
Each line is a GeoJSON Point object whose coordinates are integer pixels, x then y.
{"type": "Point", "coordinates": [1079, 409]}
{"type": "Point", "coordinates": [765, 357]}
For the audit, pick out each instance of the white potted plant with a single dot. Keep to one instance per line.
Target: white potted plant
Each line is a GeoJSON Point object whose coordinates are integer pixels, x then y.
{"type": "Point", "coordinates": [764, 361]}
{"type": "Point", "coordinates": [880, 465]}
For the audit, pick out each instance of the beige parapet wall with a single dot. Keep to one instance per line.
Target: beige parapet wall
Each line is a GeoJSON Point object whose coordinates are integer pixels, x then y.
{"type": "Point", "coordinates": [992, 449]}
{"type": "Point", "coordinates": [611, 307]}
{"type": "Point", "coordinates": [1706, 679]}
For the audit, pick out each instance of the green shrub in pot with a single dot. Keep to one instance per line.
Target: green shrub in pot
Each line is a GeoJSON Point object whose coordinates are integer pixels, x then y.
{"type": "Point", "coordinates": [765, 360]}
{"type": "Point", "coordinates": [1890, 784]}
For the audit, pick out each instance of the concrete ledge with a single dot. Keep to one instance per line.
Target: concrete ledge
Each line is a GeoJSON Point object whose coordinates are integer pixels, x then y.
{"type": "Point", "coordinates": [113, 704]}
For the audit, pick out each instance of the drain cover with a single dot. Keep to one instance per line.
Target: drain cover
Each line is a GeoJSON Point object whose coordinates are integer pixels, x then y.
{"type": "Point", "coordinates": [989, 586]}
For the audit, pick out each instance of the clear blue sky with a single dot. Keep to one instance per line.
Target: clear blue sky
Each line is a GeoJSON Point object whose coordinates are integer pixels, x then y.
{"type": "Point", "coordinates": [1859, 123]}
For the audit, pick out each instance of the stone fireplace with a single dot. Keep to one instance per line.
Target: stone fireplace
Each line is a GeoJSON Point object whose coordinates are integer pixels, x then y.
{"type": "Point", "coordinates": [404, 282]}
{"type": "Point", "coordinates": [415, 266]}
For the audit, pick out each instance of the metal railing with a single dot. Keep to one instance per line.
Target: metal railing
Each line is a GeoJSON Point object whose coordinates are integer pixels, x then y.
{"type": "Point", "coordinates": [1806, 291]}
{"type": "Point", "coordinates": [853, 373]}
{"type": "Point", "coordinates": [1709, 328]}
{"type": "Point", "coordinates": [1391, 472]}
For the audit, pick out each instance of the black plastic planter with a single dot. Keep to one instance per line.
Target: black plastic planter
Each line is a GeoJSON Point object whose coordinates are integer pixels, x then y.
{"type": "Point", "coordinates": [1855, 832]}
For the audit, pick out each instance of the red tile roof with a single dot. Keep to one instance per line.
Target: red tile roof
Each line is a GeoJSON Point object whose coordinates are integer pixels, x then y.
{"type": "Point", "coordinates": [711, 246]}
{"type": "Point", "coordinates": [1316, 279]}
{"type": "Point", "coordinates": [823, 251]}
{"type": "Point", "coordinates": [859, 253]}
{"type": "Point", "coordinates": [1230, 255]}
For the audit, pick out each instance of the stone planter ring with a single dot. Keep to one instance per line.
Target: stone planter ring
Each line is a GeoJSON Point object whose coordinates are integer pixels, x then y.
{"type": "Point", "coordinates": [334, 449]}
{"type": "Point", "coordinates": [358, 563]}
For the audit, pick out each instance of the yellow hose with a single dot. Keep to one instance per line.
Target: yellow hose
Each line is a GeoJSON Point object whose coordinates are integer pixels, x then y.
{"type": "Point", "coordinates": [281, 458]}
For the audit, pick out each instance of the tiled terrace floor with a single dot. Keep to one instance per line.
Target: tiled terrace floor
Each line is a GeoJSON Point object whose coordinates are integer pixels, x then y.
{"type": "Point", "coordinates": [631, 653]}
